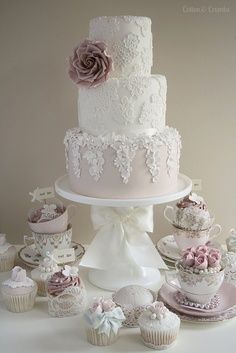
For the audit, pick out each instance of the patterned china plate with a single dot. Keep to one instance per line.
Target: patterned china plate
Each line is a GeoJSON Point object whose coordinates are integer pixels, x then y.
{"type": "Point", "coordinates": [168, 248]}
{"type": "Point", "coordinates": [31, 258]}
{"type": "Point", "coordinates": [227, 302]}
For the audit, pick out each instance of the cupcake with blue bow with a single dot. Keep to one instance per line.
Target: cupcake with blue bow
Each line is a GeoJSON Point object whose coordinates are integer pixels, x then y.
{"type": "Point", "coordinates": [104, 320]}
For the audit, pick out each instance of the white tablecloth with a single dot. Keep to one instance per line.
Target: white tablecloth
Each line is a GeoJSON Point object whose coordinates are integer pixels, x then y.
{"type": "Point", "coordinates": [36, 332]}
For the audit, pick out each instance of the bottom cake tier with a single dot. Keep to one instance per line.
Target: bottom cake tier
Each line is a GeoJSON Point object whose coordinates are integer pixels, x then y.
{"type": "Point", "coordinates": [115, 166]}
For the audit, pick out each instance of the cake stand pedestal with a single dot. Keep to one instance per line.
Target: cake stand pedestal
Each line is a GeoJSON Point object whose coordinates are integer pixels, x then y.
{"type": "Point", "coordinates": [122, 253]}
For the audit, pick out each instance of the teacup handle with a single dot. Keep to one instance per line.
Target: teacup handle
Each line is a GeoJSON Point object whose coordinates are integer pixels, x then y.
{"type": "Point", "coordinates": [170, 210]}
{"type": "Point", "coordinates": [170, 276]}
{"type": "Point", "coordinates": [28, 240]}
{"type": "Point", "coordinates": [71, 207]}
{"type": "Point", "coordinates": [215, 231]}
{"type": "Point", "coordinates": [232, 232]}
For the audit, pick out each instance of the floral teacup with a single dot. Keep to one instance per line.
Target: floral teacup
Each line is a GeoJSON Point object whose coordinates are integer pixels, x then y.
{"type": "Point", "coordinates": [193, 238]}
{"type": "Point", "coordinates": [45, 242]}
{"type": "Point", "coordinates": [197, 287]}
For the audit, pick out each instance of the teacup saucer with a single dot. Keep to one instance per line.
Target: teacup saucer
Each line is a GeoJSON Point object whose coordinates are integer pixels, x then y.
{"type": "Point", "coordinates": [227, 302]}
{"type": "Point", "coordinates": [31, 258]}
{"type": "Point", "coordinates": [168, 248]}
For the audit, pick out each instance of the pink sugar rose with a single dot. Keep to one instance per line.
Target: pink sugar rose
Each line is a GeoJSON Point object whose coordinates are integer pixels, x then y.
{"type": "Point", "coordinates": [201, 261]}
{"type": "Point", "coordinates": [188, 258]}
{"type": "Point", "coordinates": [214, 258]}
{"type": "Point", "coordinates": [100, 305]}
{"type": "Point", "coordinates": [202, 249]}
{"type": "Point", "coordinates": [90, 64]}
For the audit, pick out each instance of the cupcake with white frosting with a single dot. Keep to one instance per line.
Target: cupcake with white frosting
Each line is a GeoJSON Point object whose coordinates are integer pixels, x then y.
{"type": "Point", "coordinates": [19, 291]}
{"type": "Point", "coordinates": [7, 254]}
{"type": "Point", "coordinates": [66, 293]}
{"type": "Point", "coordinates": [104, 320]}
{"type": "Point", "coordinates": [47, 267]}
{"type": "Point", "coordinates": [159, 327]}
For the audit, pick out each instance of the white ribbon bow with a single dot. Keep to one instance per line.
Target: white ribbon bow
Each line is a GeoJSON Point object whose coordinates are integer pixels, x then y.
{"type": "Point", "coordinates": [122, 238]}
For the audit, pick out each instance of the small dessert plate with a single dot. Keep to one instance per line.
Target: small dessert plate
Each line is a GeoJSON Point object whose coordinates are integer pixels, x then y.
{"type": "Point", "coordinates": [30, 257]}
{"type": "Point", "coordinates": [227, 302]}
{"type": "Point", "coordinates": [168, 247]}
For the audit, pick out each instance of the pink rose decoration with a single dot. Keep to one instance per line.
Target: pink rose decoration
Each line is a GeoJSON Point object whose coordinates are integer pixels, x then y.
{"type": "Point", "coordinates": [188, 258]}
{"type": "Point", "coordinates": [202, 249]}
{"type": "Point", "coordinates": [192, 250]}
{"type": "Point", "coordinates": [90, 64]}
{"type": "Point", "coordinates": [101, 305]}
{"type": "Point", "coordinates": [201, 262]}
{"type": "Point", "coordinates": [214, 258]}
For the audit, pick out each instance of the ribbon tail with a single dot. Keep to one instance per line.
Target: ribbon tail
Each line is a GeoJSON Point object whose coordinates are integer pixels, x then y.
{"type": "Point", "coordinates": [103, 250]}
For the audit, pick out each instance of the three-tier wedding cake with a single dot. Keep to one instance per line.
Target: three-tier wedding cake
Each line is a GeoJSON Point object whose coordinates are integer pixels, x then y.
{"type": "Point", "coordinates": [122, 147]}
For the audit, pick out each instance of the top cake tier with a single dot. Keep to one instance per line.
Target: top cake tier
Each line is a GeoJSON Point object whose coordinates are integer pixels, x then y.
{"type": "Point", "coordinates": [129, 42]}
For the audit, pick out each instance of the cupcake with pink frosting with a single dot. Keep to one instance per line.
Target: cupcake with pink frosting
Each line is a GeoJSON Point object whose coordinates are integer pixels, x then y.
{"type": "Point", "coordinates": [104, 320]}
{"type": "Point", "coordinates": [19, 291]}
{"type": "Point", "coordinates": [66, 293]}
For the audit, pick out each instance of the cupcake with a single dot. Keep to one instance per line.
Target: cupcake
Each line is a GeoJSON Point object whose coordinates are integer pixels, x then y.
{"type": "Point", "coordinates": [159, 327]}
{"type": "Point", "coordinates": [104, 320]}
{"type": "Point", "coordinates": [51, 218]}
{"type": "Point", "coordinates": [133, 300]}
{"type": "Point", "coordinates": [192, 213]}
{"type": "Point", "coordinates": [66, 293]}
{"type": "Point", "coordinates": [19, 291]}
{"type": "Point", "coordinates": [47, 267]}
{"type": "Point", "coordinates": [7, 254]}
{"type": "Point", "coordinates": [200, 273]}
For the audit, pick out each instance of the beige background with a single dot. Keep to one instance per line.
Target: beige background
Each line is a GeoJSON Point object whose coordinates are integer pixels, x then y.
{"type": "Point", "coordinates": [194, 46]}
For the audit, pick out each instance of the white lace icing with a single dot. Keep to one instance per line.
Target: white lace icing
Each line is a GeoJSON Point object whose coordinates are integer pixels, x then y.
{"type": "Point", "coordinates": [71, 301]}
{"type": "Point", "coordinates": [129, 41]}
{"type": "Point", "coordinates": [82, 144]}
{"type": "Point", "coordinates": [19, 279]}
{"type": "Point", "coordinates": [123, 105]}
{"type": "Point", "coordinates": [4, 245]}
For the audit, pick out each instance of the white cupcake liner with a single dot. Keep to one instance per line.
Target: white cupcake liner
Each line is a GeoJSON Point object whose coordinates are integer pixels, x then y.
{"type": "Point", "coordinates": [7, 262]}
{"type": "Point", "coordinates": [159, 339]}
{"type": "Point", "coordinates": [101, 339]}
{"type": "Point", "coordinates": [41, 288]}
{"type": "Point", "coordinates": [20, 303]}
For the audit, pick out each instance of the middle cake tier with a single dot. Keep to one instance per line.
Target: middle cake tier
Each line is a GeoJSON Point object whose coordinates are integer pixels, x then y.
{"type": "Point", "coordinates": [131, 105]}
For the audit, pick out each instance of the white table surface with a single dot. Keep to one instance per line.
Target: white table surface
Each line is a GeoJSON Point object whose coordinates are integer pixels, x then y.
{"type": "Point", "coordinates": [36, 332]}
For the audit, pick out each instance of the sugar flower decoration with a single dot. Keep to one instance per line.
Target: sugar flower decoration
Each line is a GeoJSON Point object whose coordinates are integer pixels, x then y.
{"type": "Point", "coordinates": [70, 271]}
{"type": "Point", "coordinates": [49, 211]}
{"type": "Point", "coordinates": [158, 310]}
{"type": "Point", "coordinates": [201, 257]}
{"type": "Point", "coordinates": [195, 198]}
{"type": "Point", "coordinates": [90, 64]}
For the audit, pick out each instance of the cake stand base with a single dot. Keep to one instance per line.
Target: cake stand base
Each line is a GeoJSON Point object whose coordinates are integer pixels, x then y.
{"type": "Point", "coordinates": [121, 252]}
{"type": "Point", "coordinates": [113, 280]}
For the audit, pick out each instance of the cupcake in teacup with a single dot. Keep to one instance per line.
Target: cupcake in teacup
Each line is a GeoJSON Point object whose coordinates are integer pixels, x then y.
{"type": "Point", "coordinates": [200, 273]}
{"type": "Point", "coordinates": [190, 213]}
{"type": "Point", "coordinates": [49, 218]}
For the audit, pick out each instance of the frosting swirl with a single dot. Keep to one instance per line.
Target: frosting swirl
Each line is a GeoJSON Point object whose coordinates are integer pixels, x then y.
{"type": "Point", "coordinates": [192, 200]}
{"type": "Point", "coordinates": [59, 282]}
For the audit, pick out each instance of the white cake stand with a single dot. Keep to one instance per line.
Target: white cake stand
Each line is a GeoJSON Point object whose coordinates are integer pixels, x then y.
{"type": "Point", "coordinates": [125, 273]}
